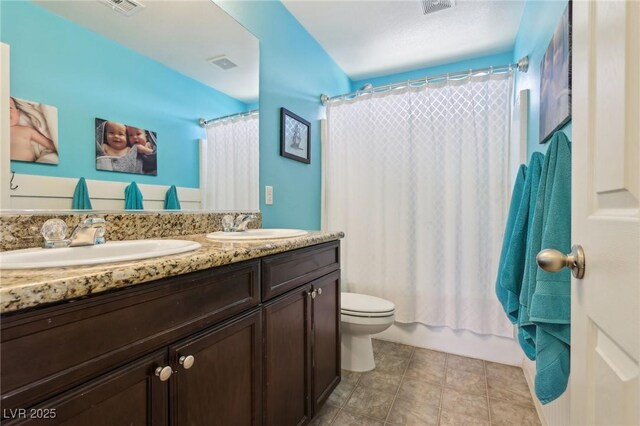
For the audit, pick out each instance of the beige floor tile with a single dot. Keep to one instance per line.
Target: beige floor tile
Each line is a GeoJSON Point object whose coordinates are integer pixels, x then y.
{"type": "Point", "coordinates": [502, 371]}
{"type": "Point", "coordinates": [419, 391]}
{"type": "Point", "coordinates": [392, 364]}
{"type": "Point", "coordinates": [380, 381]}
{"type": "Point", "coordinates": [464, 403]}
{"type": "Point", "coordinates": [389, 348]}
{"type": "Point", "coordinates": [516, 391]}
{"type": "Point", "coordinates": [345, 418]}
{"type": "Point", "coordinates": [351, 377]}
{"type": "Point", "coordinates": [425, 370]}
{"type": "Point", "coordinates": [340, 394]}
{"type": "Point", "coordinates": [507, 414]}
{"type": "Point", "coordinates": [325, 416]}
{"type": "Point", "coordinates": [448, 418]}
{"type": "Point", "coordinates": [466, 382]}
{"type": "Point", "coordinates": [429, 356]}
{"type": "Point", "coordinates": [370, 403]}
{"type": "Point", "coordinates": [412, 413]}
{"type": "Point", "coordinates": [463, 363]}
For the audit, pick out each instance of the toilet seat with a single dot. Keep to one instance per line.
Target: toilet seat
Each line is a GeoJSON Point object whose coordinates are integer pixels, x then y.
{"type": "Point", "coordinates": [365, 306]}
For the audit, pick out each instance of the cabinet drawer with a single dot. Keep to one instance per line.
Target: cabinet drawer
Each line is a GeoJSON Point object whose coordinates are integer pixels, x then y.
{"type": "Point", "coordinates": [46, 351]}
{"type": "Point", "coordinates": [283, 272]}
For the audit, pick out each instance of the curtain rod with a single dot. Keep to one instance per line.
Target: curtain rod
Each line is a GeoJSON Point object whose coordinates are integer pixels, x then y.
{"type": "Point", "coordinates": [205, 123]}
{"type": "Point", "coordinates": [522, 66]}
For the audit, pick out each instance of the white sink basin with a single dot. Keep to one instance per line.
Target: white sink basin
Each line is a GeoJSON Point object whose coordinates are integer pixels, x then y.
{"type": "Point", "coordinates": [256, 234]}
{"type": "Point", "coordinates": [112, 251]}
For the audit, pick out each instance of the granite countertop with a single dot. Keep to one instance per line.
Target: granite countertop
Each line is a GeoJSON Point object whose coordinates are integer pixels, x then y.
{"type": "Point", "coordinates": [26, 288]}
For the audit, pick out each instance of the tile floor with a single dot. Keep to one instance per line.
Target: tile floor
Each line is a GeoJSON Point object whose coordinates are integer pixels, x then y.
{"type": "Point", "coordinates": [414, 386]}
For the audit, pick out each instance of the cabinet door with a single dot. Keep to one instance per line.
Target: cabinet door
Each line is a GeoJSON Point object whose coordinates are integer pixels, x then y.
{"type": "Point", "coordinates": [222, 386]}
{"type": "Point", "coordinates": [287, 345]}
{"type": "Point", "coordinates": [130, 395]}
{"type": "Point", "coordinates": [326, 337]}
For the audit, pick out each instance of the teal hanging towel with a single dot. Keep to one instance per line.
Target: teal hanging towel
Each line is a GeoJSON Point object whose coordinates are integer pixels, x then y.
{"type": "Point", "coordinates": [508, 299]}
{"type": "Point", "coordinates": [81, 199]}
{"type": "Point", "coordinates": [171, 201]}
{"type": "Point", "coordinates": [132, 197]}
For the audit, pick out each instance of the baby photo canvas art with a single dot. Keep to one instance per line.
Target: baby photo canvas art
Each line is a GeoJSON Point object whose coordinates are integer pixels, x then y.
{"type": "Point", "coordinates": [125, 148]}
{"type": "Point", "coordinates": [34, 131]}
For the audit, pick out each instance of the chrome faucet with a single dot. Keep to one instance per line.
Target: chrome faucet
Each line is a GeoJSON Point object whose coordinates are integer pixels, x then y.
{"type": "Point", "coordinates": [239, 224]}
{"type": "Point", "coordinates": [242, 220]}
{"type": "Point", "coordinates": [89, 232]}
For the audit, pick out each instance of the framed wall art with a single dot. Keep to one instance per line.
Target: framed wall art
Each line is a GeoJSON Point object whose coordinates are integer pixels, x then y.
{"type": "Point", "coordinates": [295, 137]}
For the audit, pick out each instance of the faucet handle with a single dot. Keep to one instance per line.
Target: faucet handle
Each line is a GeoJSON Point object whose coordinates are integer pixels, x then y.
{"type": "Point", "coordinates": [54, 232]}
{"type": "Point", "coordinates": [227, 223]}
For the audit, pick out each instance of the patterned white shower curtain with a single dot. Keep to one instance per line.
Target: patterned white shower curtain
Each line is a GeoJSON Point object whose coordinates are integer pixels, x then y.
{"type": "Point", "coordinates": [229, 164]}
{"type": "Point", "coordinates": [417, 178]}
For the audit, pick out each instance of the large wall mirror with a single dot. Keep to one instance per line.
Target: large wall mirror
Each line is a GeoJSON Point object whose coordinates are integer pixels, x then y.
{"type": "Point", "coordinates": [161, 93]}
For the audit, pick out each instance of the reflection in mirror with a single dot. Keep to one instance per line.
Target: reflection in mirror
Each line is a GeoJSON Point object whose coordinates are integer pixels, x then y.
{"type": "Point", "coordinates": [160, 67]}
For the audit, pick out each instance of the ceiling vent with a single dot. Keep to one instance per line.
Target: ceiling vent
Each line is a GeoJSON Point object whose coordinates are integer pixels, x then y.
{"type": "Point", "coordinates": [431, 6]}
{"type": "Point", "coordinates": [222, 62]}
{"type": "Point", "coordinates": [125, 7]}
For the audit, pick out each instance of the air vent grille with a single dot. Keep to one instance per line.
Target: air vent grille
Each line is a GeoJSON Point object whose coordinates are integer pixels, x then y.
{"type": "Point", "coordinates": [431, 6]}
{"type": "Point", "coordinates": [222, 62]}
{"type": "Point", "coordinates": [125, 7]}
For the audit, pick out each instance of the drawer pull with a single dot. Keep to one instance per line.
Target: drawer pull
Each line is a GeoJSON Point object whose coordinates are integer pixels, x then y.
{"type": "Point", "coordinates": [164, 373]}
{"type": "Point", "coordinates": [187, 361]}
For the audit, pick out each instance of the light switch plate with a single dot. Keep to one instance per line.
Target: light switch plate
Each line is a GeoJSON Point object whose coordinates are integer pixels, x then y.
{"type": "Point", "coordinates": [268, 195]}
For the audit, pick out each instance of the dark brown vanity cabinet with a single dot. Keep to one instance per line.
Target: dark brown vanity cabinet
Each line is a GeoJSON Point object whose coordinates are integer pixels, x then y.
{"type": "Point", "coordinates": [194, 349]}
{"type": "Point", "coordinates": [302, 357]}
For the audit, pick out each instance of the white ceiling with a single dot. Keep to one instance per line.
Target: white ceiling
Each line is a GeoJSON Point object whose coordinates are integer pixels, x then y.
{"type": "Point", "coordinates": [181, 34]}
{"type": "Point", "coordinates": [369, 38]}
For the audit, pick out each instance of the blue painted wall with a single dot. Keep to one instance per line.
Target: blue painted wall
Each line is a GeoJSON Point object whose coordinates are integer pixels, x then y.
{"type": "Point", "coordinates": [479, 62]}
{"type": "Point", "coordinates": [294, 71]}
{"type": "Point", "coordinates": [85, 76]}
{"type": "Point", "coordinates": [539, 21]}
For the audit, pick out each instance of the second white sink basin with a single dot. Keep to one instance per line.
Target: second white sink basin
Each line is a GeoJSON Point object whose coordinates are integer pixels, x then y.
{"type": "Point", "coordinates": [112, 251]}
{"type": "Point", "coordinates": [256, 234]}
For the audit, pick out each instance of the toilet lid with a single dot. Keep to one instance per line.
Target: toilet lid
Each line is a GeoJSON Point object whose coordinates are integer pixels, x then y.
{"type": "Point", "coordinates": [362, 303]}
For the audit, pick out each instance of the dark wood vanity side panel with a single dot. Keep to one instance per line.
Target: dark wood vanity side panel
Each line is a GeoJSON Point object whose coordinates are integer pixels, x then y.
{"type": "Point", "coordinates": [46, 351]}
{"type": "Point", "coordinates": [285, 271]}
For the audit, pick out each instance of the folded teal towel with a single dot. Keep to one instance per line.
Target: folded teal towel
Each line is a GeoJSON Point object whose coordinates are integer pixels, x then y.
{"type": "Point", "coordinates": [550, 303]}
{"type": "Point", "coordinates": [171, 201]}
{"type": "Point", "coordinates": [132, 197]}
{"type": "Point", "coordinates": [521, 265]}
{"type": "Point", "coordinates": [508, 298]}
{"type": "Point", "coordinates": [81, 196]}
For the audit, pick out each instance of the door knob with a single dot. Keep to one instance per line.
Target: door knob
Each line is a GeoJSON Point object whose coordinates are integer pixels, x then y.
{"type": "Point", "coordinates": [164, 373]}
{"type": "Point", "coordinates": [187, 361]}
{"type": "Point", "coordinates": [553, 261]}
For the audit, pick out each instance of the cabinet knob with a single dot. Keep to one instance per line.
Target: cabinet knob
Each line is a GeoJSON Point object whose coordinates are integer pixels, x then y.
{"type": "Point", "coordinates": [314, 293]}
{"type": "Point", "coordinates": [187, 361]}
{"type": "Point", "coordinates": [319, 291]}
{"type": "Point", "coordinates": [164, 373]}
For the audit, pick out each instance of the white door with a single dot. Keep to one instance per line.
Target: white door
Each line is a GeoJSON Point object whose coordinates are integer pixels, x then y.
{"type": "Point", "coordinates": [605, 329]}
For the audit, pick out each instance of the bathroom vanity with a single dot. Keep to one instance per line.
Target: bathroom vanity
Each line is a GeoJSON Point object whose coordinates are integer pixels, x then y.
{"type": "Point", "coordinates": [237, 334]}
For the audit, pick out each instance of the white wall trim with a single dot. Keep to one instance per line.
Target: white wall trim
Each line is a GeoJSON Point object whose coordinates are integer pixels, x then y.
{"type": "Point", "coordinates": [5, 132]}
{"type": "Point", "coordinates": [458, 342]}
{"type": "Point", "coordinates": [48, 192]}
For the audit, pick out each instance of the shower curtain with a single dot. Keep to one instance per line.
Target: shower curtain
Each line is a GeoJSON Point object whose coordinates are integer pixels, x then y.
{"type": "Point", "coordinates": [229, 165]}
{"type": "Point", "coordinates": [417, 178]}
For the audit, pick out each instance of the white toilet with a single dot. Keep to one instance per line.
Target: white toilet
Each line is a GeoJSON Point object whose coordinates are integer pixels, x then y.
{"type": "Point", "coordinates": [362, 316]}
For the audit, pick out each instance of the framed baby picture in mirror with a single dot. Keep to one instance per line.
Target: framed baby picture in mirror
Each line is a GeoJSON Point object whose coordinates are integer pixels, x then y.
{"type": "Point", "coordinates": [295, 137]}
{"type": "Point", "coordinates": [34, 131]}
{"type": "Point", "coordinates": [555, 80]}
{"type": "Point", "coordinates": [125, 148]}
